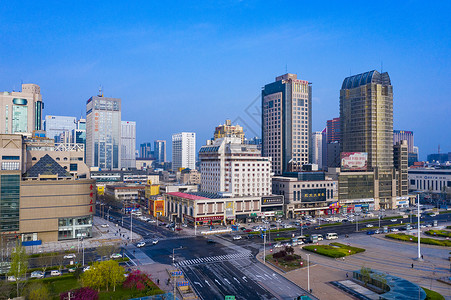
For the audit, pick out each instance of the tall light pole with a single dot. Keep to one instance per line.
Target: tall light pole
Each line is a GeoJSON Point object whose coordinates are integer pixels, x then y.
{"type": "Point", "coordinates": [264, 247]}
{"type": "Point", "coordinates": [83, 245]}
{"type": "Point", "coordinates": [356, 223]}
{"type": "Point", "coordinates": [308, 272]}
{"type": "Point", "coordinates": [108, 214]}
{"type": "Point", "coordinates": [131, 227]}
{"type": "Point", "coordinates": [379, 218]}
{"type": "Point", "coordinates": [419, 231]}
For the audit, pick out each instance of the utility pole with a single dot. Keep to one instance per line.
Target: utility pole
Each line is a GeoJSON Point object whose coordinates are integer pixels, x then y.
{"type": "Point", "coordinates": [131, 227]}
{"type": "Point", "coordinates": [308, 272]}
{"type": "Point", "coordinates": [264, 247]}
{"type": "Point", "coordinates": [419, 231]}
{"type": "Point", "coordinates": [356, 223]}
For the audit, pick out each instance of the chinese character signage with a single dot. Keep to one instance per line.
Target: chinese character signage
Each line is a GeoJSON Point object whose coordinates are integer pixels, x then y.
{"type": "Point", "coordinates": [313, 195]}
{"type": "Point", "coordinates": [354, 161]}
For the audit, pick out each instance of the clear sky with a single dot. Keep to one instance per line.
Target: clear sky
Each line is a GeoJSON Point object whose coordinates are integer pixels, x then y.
{"type": "Point", "coordinates": [188, 67]}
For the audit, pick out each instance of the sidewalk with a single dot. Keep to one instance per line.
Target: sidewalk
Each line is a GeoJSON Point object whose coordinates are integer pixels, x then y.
{"type": "Point", "coordinates": [101, 236]}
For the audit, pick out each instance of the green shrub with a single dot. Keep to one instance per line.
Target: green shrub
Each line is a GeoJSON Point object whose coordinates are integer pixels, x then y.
{"type": "Point", "coordinates": [432, 295]}
{"type": "Point", "coordinates": [414, 239]}
{"type": "Point", "coordinates": [442, 233]}
{"type": "Point", "coordinates": [334, 250]}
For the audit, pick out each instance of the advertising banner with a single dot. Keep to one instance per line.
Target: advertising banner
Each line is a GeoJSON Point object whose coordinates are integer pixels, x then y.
{"type": "Point", "coordinates": [354, 161]}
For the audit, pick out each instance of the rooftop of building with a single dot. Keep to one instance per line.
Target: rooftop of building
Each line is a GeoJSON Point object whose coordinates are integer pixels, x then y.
{"type": "Point", "coordinates": [47, 166]}
{"type": "Point", "coordinates": [365, 78]}
{"type": "Point", "coordinates": [189, 196]}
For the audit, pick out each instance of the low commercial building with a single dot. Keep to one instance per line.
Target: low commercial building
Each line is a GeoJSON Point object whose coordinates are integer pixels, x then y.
{"type": "Point", "coordinates": [306, 193]}
{"type": "Point", "coordinates": [156, 206]}
{"type": "Point", "coordinates": [430, 180]}
{"type": "Point", "coordinates": [44, 202]}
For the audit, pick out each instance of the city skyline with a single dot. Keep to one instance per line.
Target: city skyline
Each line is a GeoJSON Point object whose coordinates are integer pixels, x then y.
{"type": "Point", "coordinates": [229, 41]}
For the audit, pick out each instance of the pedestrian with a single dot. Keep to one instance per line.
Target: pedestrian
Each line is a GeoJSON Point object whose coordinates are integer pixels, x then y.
{"type": "Point", "coordinates": [346, 274]}
{"type": "Point", "coordinates": [158, 281]}
{"type": "Point", "coordinates": [421, 256]}
{"type": "Point", "coordinates": [412, 266]}
{"type": "Point", "coordinates": [343, 258]}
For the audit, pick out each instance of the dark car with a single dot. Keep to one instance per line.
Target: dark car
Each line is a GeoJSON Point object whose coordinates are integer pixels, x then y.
{"type": "Point", "coordinates": [210, 241]}
{"type": "Point", "coordinates": [162, 224]}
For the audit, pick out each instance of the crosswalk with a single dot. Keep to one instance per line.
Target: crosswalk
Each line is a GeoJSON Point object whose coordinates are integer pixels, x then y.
{"type": "Point", "coordinates": [211, 259]}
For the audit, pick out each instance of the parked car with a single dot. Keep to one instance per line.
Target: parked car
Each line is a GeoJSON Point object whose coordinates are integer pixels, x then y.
{"type": "Point", "coordinates": [278, 245]}
{"type": "Point", "coordinates": [72, 270]}
{"type": "Point", "coordinates": [37, 274]}
{"type": "Point", "coordinates": [11, 278]}
{"type": "Point", "coordinates": [394, 230]}
{"type": "Point", "coordinates": [87, 268]}
{"type": "Point", "coordinates": [370, 232]}
{"type": "Point", "coordinates": [377, 231]}
{"type": "Point", "coordinates": [370, 225]}
{"type": "Point", "coordinates": [394, 220]}
{"type": "Point", "coordinates": [55, 273]}
{"type": "Point", "coordinates": [210, 241]}
{"type": "Point", "coordinates": [141, 244]}
{"type": "Point", "coordinates": [115, 255]}
{"type": "Point", "coordinates": [104, 225]}
{"type": "Point", "coordinates": [69, 256]}
{"type": "Point", "coordinates": [236, 237]}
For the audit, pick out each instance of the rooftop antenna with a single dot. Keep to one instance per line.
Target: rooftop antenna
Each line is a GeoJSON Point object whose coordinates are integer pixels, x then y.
{"type": "Point", "coordinates": [382, 66]}
{"type": "Point", "coordinates": [286, 68]}
{"type": "Point", "coordinates": [100, 91]}
{"type": "Point", "coordinates": [438, 148]}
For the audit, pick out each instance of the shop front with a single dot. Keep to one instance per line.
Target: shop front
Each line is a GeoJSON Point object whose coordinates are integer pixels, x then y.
{"type": "Point", "coordinates": [210, 220]}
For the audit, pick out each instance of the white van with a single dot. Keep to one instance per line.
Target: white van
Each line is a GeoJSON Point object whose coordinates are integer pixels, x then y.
{"type": "Point", "coordinates": [331, 236]}
{"type": "Point", "coordinates": [55, 273]}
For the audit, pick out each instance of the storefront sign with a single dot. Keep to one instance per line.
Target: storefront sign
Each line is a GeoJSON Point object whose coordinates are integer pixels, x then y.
{"type": "Point", "coordinates": [272, 200]}
{"type": "Point", "coordinates": [313, 195]}
{"type": "Point", "coordinates": [211, 218]}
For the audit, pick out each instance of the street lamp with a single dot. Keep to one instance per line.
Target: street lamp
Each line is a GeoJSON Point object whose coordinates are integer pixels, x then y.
{"type": "Point", "coordinates": [356, 223]}
{"type": "Point", "coordinates": [419, 231]}
{"type": "Point", "coordinates": [308, 272]}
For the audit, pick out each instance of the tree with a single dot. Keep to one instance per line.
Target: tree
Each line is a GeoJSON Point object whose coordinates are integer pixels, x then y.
{"type": "Point", "coordinates": [45, 261]}
{"type": "Point", "coordinates": [38, 291]}
{"type": "Point", "coordinates": [105, 250]}
{"type": "Point", "coordinates": [366, 275]}
{"type": "Point", "coordinates": [19, 264]}
{"type": "Point", "coordinates": [104, 274]}
{"type": "Point", "coordinates": [59, 260]}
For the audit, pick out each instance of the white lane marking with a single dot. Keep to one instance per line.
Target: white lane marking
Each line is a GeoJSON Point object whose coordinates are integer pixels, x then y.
{"type": "Point", "coordinates": [195, 282]}
{"type": "Point", "coordinates": [236, 279]}
{"type": "Point", "coordinates": [244, 278]}
{"type": "Point", "coordinates": [207, 283]}
{"type": "Point", "coordinates": [225, 279]}
{"type": "Point", "coordinates": [218, 282]}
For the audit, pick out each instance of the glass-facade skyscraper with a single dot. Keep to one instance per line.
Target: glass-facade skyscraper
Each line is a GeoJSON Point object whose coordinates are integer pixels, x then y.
{"type": "Point", "coordinates": [55, 125]}
{"type": "Point", "coordinates": [103, 132]}
{"type": "Point", "coordinates": [159, 151]}
{"type": "Point", "coordinates": [128, 144]}
{"type": "Point", "coordinates": [287, 123]}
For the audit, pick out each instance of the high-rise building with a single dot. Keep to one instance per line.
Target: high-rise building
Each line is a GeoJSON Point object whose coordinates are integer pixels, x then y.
{"type": "Point", "coordinates": [400, 135]}
{"type": "Point", "coordinates": [21, 112]}
{"type": "Point", "coordinates": [79, 133]}
{"type": "Point", "coordinates": [183, 151]}
{"type": "Point", "coordinates": [128, 144]}
{"type": "Point", "coordinates": [333, 130]}
{"type": "Point", "coordinates": [286, 123]}
{"type": "Point", "coordinates": [366, 117]}
{"type": "Point", "coordinates": [228, 166]}
{"type": "Point", "coordinates": [159, 151]}
{"type": "Point", "coordinates": [317, 149]}
{"type": "Point", "coordinates": [145, 150]}
{"type": "Point", "coordinates": [229, 130]}
{"type": "Point", "coordinates": [103, 132]}
{"type": "Point", "coordinates": [54, 126]}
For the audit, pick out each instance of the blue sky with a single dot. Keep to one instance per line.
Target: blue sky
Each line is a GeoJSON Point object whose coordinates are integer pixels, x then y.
{"type": "Point", "coordinates": [187, 66]}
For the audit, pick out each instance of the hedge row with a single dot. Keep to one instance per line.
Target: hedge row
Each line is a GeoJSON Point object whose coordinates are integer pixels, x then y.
{"type": "Point", "coordinates": [414, 239]}
{"type": "Point", "coordinates": [442, 233]}
{"type": "Point", "coordinates": [334, 250]}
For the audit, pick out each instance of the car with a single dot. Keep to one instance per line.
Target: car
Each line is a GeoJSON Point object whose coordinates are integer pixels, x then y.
{"type": "Point", "coordinates": [55, 273]}
{"type": "Point", "coordinates": [69, 256]}
{"type": "Point", "coordinates": [210, 241]}
{"type": "Point", "coordinates": [184, 225]}
{"type": "Point", "coordinates": [248, 230]}
{"type": "Point", "coordinates": [104, 225]}
{"type": "Point", "coordinates": [320, 237]}
{"type": "Point", "coordinates": [115, 255]}
{"type": "Point", "coordinates": [151, 221]}
{"type": "Point", "coordinates": [370, 232]}
{"type": "Point", "coordinates": [278, 245]}
{"type": "Point", "coordinates": [236, 237]}
{"type": "Point", "coordinates": [11, 278]}
{"type": "Point", "coordinates": [370, 225]}
{"type": "Point", "coordinates": [377, 231]}
{"type": "Point", "coordinates": [394, 230]}
{"type": "Point", "coordinates": [154, 242]}
{"type": "Point", "coordinates": [318, 227]}
{"type": "Point", "coordinates": [37, 274]}
{"type": "Point", "coordinates": [179, 229]}
{"type": "Point", "coordinates": [394, 220]}
{"type": "Point", "coordinates": [72, 270]}
{"type": "Point", "coordinates": [87, 268]}
{"type": "Point", "coordinates": [162, 224]}
{"type": "Point", "coordinates": [428, 225]}
{"type": "Point", "coordinates": [141, 244]}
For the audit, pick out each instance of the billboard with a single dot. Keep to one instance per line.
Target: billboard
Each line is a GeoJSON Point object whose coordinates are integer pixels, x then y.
{"type": "Point", "coordinates": [313, 195]}
{"type": "Point", "coordinates": [354, 161]}
{"type": "Point", "coordinates": [272, 200]}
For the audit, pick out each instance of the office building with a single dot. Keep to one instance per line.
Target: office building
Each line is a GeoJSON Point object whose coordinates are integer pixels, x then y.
{"type": "Point", "coordinates": [333, 130]}
{"type": "Point", "coordinates": [128, 144]}
{"type": "Point", "coordinates": [159, 151]}
{"type": "Point", "coordinates": [54, 126]}
{"type": "Point", "coordinates": [306, 193]}
{"type": "Point", "coordinates": [401, 135]}
{"type": "Point", "coordinates": [183, 151]}
{"type": "Point", "coordinates": [286, 123]}
{"type": "Point", "coordinates": [21, 112]}
{"type": "Point", "coordinates": [235, 169]}
{"type": "Point", "coordinates": [145, 150]}
{"type": "Point", "coordinates": [78, 135]}
{"type": "Point", "coordinates": [366, 122]}
{"type": "Point", "coordinates": [103, 132]}
{"type": "Point", "coordinates": [400, 159]}
{"type": "Point", "coordinates": [317, 149]}
{"type": "Point", "coordinates": [431, 180]}
{"type": "Point", "coordinates": [229, 130]}
{"type": "Point", "coordinates": [439, 157]}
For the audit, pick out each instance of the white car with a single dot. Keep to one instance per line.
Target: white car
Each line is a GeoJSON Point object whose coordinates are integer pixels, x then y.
{"type": "Point", "coordinates": [394, 220]}
{"type": "Point", "coordinates": [141, 244]}
{"type": "Point", "coordinates": [394, 230]}
{"type": "Point", "coordinates": [184, 225]}
{"type": "Point", "coordinates": [237, 237]}
{"type": "Point", "coordinates": [69, 256]}
{"type": "Point", "coordinates": [154, 242]}
{"type": "Point", "coordinates": [55, 273]}
{"type": "Point", "coordinates": [151, 221]}
{"type": "Point", "coordinates": [86, 268]}
{"type": "Point", "coordinates": [37, 274]}
{"type": "Point", "coordinates": [278, 245]}
{"type": "Point", "coordinates": [370, 225]}
{"type": "Point", "coordinates": [115, 255]}
{"type": "Point", "coordinates": [104, 225]}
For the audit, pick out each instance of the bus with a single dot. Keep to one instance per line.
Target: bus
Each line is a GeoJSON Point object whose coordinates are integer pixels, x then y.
{"type": "Point", "coordinates": [331, 236]}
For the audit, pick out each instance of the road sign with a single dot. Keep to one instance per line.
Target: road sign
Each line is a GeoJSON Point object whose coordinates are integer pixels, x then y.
{"type": "Point", "coordinates": [229, 297]}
